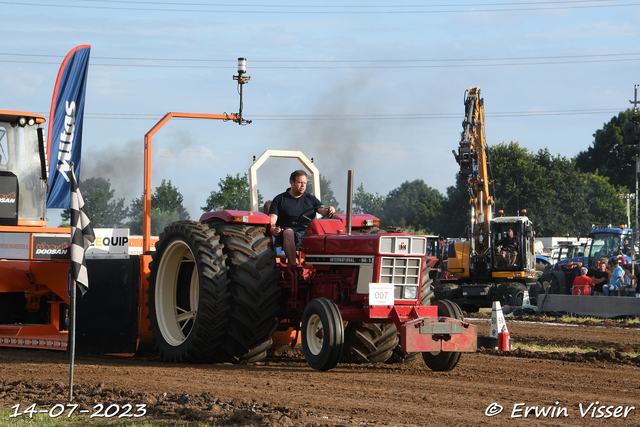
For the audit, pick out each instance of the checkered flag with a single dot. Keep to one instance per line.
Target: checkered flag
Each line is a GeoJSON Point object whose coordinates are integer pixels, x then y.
{"type": "Point", "coordinates": [81, 236]}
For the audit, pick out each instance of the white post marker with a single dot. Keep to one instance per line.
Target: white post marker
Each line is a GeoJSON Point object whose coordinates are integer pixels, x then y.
{"type": "Point", "coordinates": [381, 294]}
{"type": "Point", "coordinates": [497, 320]}
{"type": "Point", "coordinates": [526, 301]}
{"type": "Point", "coordinates": [525, 298]}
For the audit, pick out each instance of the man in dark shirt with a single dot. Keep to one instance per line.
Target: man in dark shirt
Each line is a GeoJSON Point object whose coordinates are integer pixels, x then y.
{"type": "Point", "coordinates": [599, 277]}
{"type": "Point", "coordinates": [285, 210]}
{"type": "Point", "coordinates": [509, 246]}
{"type": "Point", "coordinates": [570, 270]}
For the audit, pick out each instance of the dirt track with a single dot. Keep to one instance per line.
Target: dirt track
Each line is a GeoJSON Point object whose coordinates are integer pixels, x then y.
{"type": "Point", "coordinates": [285, 391]}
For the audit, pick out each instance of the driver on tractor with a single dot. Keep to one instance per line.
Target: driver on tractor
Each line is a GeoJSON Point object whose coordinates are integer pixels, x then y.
{"type": "Point", "coordinates": [286, 211]}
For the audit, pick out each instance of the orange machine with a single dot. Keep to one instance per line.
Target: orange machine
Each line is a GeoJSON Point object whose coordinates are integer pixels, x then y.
{"type": "Point", "coordinates": [34, 259]}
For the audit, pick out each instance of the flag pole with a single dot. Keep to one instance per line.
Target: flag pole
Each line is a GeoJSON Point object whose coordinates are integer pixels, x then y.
{"type": "Point", "coordinates": [72, 315]}
{"type": "Point", "coordinates": [82, 236]}
{"type": "Point", "coordinates": [72, 336]}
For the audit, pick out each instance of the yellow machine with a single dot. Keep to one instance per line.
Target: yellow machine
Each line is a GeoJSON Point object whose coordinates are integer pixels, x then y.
{"type": "Point", "coordinates": [497, 261]}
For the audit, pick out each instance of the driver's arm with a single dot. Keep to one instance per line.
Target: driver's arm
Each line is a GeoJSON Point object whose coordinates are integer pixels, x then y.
{"type": "Point", "coordinates": [324, 210]}
{"type": "Point", "coordinates": [274, 230]}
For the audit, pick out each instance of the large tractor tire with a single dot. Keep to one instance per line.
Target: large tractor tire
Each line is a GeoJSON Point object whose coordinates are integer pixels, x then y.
{"type": "Point", "coordinates": [188, 293]}
{"type": "Point", "coordinates": [512, 294]}
{"type": "Point", "coordinates": [254, 290]}
{"type": "Point", "coordinates": [322, 334]}
{"type": "Point", "coordinates": [369, 342]}
{"type": "Point", "coordinates": [444, 361]}
{"type": "Point", "coordinates": [426, 298]}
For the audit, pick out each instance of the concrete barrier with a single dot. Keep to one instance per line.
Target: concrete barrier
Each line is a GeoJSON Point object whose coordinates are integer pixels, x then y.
{"type": "Point", "coordinates": [599, 306]}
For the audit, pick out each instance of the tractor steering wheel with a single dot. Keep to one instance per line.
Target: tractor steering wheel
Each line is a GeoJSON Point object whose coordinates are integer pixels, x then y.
{"type": "Point", "coordinates": [314, 210]}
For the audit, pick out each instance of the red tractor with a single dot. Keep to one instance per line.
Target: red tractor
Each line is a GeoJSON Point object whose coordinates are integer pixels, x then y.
{"type": "Point", "coordinates": [217, 291]}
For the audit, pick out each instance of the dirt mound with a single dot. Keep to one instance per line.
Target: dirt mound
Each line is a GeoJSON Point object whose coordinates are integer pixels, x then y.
{"type": "Point", "coordinates": [595, 357]}
{"type": "Point", "coordinates": [284, 391]}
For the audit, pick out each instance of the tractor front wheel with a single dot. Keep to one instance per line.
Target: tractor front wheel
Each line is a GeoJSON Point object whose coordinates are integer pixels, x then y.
{"type": "Point", "coordinates": [322, 334]}
{"type": "Point", "coordinates": [442, 360]}
{"type": "Point", "coordinates": [369, 342]}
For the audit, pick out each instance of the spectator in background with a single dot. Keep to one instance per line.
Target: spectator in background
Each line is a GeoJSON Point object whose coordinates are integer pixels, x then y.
{"type": "Point", "coordinates": [570, 270]}
{"type": "Point", "coordinates": [629, 277]}
{"type": "Point", "coordinates": [582, 284]}
{"type": "Point", "coordinates": [593, 268]}
{"type": "Point", "coordinates": [600, 277]}
{"type": "Point", "coordinates": [617, 278]}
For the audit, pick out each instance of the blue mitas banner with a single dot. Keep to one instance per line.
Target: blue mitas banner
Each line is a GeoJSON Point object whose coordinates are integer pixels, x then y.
{"type": "Point", "coordinates": [65, 125]}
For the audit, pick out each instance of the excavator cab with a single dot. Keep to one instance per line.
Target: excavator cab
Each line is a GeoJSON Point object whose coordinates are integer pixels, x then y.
{"type": "Point", "coordinates": [507, 254]}
{"type": "Point", "coordinates": [513, 244]}
{"type": "Point", "coordinates": [22, 186]}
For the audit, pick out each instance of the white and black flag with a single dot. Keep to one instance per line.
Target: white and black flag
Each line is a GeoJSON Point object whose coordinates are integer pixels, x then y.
{"type": "Point", "coordinates": [82, 236]}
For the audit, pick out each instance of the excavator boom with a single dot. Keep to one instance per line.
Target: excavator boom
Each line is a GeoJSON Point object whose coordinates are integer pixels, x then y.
{"type": "Point", "coordinates": [472, 158]}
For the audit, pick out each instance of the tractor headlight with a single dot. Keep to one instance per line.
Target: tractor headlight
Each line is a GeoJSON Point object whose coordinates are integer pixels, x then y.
{"type": "Point", "coordinates": [410, 292]}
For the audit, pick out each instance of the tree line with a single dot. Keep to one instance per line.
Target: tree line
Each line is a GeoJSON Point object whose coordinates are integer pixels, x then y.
{"type": "Point", "coordinates": [560, 195]}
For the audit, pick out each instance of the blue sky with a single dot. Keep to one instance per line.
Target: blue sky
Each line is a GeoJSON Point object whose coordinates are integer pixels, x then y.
{"type": "Point", "coordinates": [363, 86]}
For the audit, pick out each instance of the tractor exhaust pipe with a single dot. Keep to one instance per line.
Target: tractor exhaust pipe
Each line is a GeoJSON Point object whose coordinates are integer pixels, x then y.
{"type": "Point", "coordinates": [349, 200]}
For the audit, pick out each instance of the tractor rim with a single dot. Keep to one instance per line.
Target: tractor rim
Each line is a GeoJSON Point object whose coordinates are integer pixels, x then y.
{"type": "Point", "coordinates": [315, 334]}
{"type": "Point", "coordinates": [176, 318]}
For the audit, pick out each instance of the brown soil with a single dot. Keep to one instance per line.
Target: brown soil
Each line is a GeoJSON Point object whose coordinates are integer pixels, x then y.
{"type": "Point", "coordinates": [284, 391]}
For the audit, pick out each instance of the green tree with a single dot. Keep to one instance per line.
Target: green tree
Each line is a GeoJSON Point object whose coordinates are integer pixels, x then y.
{"type": "Point", "coordinates": [367, 203]}
{"type": "Point", "coordinates": [233, 194]}
{"type": "Point", "coordinates": [608, 156]}
{"type": "Point", "coordinates": [455, 214]}
{"type": "Point", "coordinates": [413, 205]}
{"type": "Point", "coordinates": [99, 206]}
{"type": "Point", "coordinates": [166, 207]}
{"type": "Point", "coordinates": [557, 196]}
{"type": "Point", "coordinates": [326, 194]}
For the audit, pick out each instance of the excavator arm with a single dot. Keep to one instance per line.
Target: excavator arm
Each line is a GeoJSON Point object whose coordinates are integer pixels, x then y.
{"type": "Point", "coordinates": [472, 158]}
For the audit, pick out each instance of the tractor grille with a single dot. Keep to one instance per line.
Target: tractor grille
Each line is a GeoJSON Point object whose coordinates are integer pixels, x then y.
{"type": "Point", "coordinates": [401, 272]}
{"type": "Point", "coordinates": [403, 245]}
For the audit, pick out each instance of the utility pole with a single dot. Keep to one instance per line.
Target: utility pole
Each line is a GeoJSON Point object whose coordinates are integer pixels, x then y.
{"type": "Point", "coordinates": [631, 135]}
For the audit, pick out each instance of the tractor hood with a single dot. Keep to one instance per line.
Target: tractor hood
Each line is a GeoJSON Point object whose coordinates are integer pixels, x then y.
{"type": "Point", "coordinates": [396, 244]}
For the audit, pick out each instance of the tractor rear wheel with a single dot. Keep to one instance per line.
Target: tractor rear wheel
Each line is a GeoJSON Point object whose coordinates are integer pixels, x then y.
{"type": "Point", "coordinates": [426, 299]}
{"type": "Point", "coordinates": [442, 360]}
{"type": "Point", "coordinates": [322, 334]}
{"type": "Point", "coordinates": [254, 290]}
{"type": "Point", "coordinates": [188, 293]}
{"type": "Point", "coordinates": [369, 342]}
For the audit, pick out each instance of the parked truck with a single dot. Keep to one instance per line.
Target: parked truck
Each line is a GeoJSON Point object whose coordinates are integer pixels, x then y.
{"type": "Point", "coordinates": [213, 289]}
{"type": "Point", "coordinates": [482, 269]}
